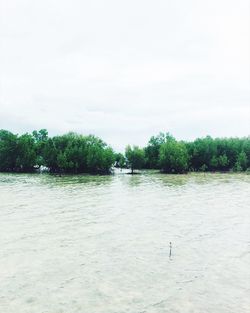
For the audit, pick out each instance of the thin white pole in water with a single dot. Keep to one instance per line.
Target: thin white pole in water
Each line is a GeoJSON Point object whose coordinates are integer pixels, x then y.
{"type": "Point", "coordinates": [170, 249]}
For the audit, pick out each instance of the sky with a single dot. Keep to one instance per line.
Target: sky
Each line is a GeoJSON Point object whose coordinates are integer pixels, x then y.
{"type": "Point", "coordinates": [126, 70]}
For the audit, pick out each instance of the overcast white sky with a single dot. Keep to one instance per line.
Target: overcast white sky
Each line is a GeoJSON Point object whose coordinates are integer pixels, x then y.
{"type": "Point", "coordinates": [125, 70]}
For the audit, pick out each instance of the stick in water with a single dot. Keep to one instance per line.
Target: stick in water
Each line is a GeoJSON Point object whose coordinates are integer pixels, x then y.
{"type": "Point", "coordinates": [170, 249]}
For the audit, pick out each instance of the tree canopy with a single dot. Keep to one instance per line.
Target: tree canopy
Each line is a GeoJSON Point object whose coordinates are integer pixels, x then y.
{"type": "Point", "coordinates": [135, 157]}
{"type": "Point", "coordinates": [69, 153]}
{"type": "Point", "coordinates": [173, 157]}
{"type": "Point", "coordinates": [75, 153]}
{"type": "Point", "coordinates": [152, 150]}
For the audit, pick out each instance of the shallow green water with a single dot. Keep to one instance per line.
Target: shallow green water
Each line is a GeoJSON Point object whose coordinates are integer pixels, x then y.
{"type": "Point", "coordinates": [92, 244]}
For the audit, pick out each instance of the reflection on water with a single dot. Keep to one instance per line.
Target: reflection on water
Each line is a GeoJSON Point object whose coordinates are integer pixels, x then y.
{"type": "Point", "coordinates": [101, 243]}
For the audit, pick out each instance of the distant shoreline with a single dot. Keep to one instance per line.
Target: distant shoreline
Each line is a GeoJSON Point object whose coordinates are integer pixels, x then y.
{"type": "Point", "coordinates": [74, 153]}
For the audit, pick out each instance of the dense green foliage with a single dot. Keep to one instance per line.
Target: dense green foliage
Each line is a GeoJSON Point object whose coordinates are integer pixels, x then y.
{"type": "Point", "coordinates": [173, 157]}
{"type": "Point", "coordinates": [203, 154]}
{"type": "Point", "coordinates": [135, 157]}
{"type": "Point", "coordinates": [74, 153]}
{"type": "Point", "coordinates": [70, 153]}
{"type": "Point", "coordinates": [8, 151]}
{"type": "Point", "coordinates": [152, 151]}
{"type": "Point", "coordinates": [219, 154]}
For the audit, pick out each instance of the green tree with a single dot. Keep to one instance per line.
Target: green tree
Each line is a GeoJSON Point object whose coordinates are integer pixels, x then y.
{"type": "Point", "coordinates": [135, 157]}
{"type": "Point", "coordinates": [41, 135]}
{"type": "Point", "coordinates": [223, 162]}
{"type": "Point", "coordinates": [26, 158]}
{"type": "Point", "coordinates": [152, 150]}
{"type": "Point", "coordinates": [214, 163]}
{"type": "Point", "coordinates": [201, 152]}
{"type": "Point", "coordinates": [40, 138]}
{"type": "Point", "coordinates": [246, 149]}
{"type": "Point", "coordinates": [8, 151]}
{"type": "Point", "coordinates": [241, 162]}
{"type": "Point", "coordinates": [120, 160]}
{"type": "Point", "coordinates": [173, 157]}
{"type": "Point", "coordinates": [73, 153]}
{"type": "Point", "coordinates": [203, 168]}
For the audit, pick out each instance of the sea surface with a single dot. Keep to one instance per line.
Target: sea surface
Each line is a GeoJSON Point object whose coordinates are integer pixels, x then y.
{"type": "Point", "coordinates": [100, 244]}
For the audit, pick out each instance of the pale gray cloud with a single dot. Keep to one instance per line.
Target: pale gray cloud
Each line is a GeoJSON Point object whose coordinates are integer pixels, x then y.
{"type": "Point", "coordinates": [126, 70]}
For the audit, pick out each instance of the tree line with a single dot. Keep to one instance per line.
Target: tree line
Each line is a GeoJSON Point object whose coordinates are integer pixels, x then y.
{"type": "Point", "coordinates": [165, 153]}
{"type": "Point", "coordinates": [69, 153]}
{"type": "Point", "coordinates": [75, 153]}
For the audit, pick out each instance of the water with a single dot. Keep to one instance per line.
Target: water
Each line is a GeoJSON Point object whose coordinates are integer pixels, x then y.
{"type": "Point", "coordinates": [90, 244]}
